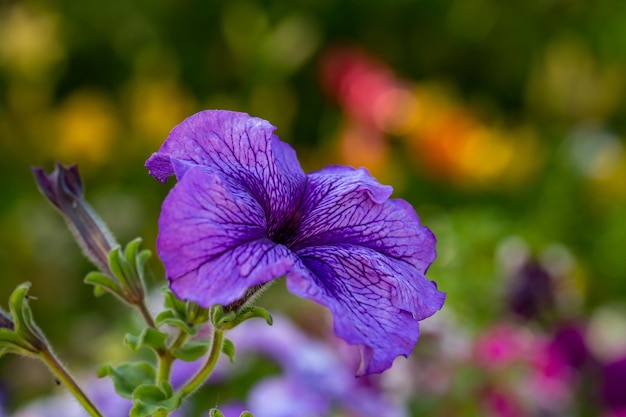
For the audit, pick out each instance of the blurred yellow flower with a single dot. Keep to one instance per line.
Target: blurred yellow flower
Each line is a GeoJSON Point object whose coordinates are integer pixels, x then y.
{"type": "Point", "coordinates": [569, 81]}
{"type": "Point", "coordinates": [29, 42]}
{"type": "Point", "coordinates": [157, 105]}
{"type": "Point", "coordinates": [87, 126]}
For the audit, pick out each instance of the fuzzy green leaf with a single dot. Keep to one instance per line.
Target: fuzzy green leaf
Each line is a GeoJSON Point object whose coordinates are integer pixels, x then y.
{"type": "Point", "coordinates": [149, 337]}
{"type": "Point", "coordinates": [102, 283]}
{"type": "Point", "coordinates": [174, 303]}
{"type": "Point", "coordinates": [228, 348]}
{"type": "Point", "coordinates": [149, 399]}
{"type": "Point", "coordinates": [128, 376]}
{"type": "Point", "coordinates": [132, 248]}
{"type": "Point", "coordinates": [12, 343]}
{"type": "Point", "coordinates": [169, 317]}
{"type": "Point", "coordinates": [226, 321]}
{"type": "Point", "coordinates": [222, 317]}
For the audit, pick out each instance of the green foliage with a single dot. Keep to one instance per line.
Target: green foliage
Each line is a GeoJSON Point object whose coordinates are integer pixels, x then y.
{"type": "Point", "coordinates": [149, 399]}
{"type": "Point", "coordinates": [128, 268]}
{"type": "Point", "coordinates": [103, 283]}
{"type": "Point", "coordinates": [127, 377]}
{"type": "Point", "coordinates": [19, 333]}
{"type": "Point", "coordinates": [228, 348]}
{"type": "Point", "coordinates": [185, 315]}
{"type": "Point", "coordinates": [149, 338]}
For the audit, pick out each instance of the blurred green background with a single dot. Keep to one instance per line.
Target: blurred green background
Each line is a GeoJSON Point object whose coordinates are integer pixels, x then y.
{"type": "Point", "coordinates": [503, 123]}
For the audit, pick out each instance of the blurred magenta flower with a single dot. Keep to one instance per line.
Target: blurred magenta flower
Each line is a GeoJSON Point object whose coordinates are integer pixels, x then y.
{"type": "Point", "coordinates": [613, 386]}
{"type": "Point", "coordinates": [244, 213]}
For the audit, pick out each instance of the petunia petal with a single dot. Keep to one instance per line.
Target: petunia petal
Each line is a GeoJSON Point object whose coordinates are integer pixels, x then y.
{"type": "Point", "coordinates": [212, 240]}
{"type": "Point", "coordinates": [376, 301]}
{"type": "Point", "coordinates": [347, 205]}
{"type": "Point", "coordinates": [240, 149]}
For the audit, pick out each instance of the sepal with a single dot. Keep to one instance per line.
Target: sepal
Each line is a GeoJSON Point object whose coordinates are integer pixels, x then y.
{"type": "Point", "coordinates": [149, 338]}
{"type": "Point", "coordinates": [127, 271]}
{"type": "Point", "coordinates": [185, 315]}
{"type": "Point", "coordinates": [150, 399]}
{"type": "Point", "coordinates": [226, 320]}
{"type": "Point", "coordinates": [127, 377]}
{"type": "Point", "coordinates": [228, 349]}
{"type": "Point", "coordinates": [128, 267]}
{"type": "Point", "coordinates": [103, 283]}
{"type": "Point", "coordinates": [19, 333]}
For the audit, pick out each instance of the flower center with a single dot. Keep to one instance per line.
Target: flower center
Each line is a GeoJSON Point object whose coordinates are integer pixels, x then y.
{"type": "Point", "coordinates": [286, 232]}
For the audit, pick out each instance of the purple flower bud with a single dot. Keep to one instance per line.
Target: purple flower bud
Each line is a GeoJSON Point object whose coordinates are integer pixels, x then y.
{"type": "Point", "coordinates": [63, 187]}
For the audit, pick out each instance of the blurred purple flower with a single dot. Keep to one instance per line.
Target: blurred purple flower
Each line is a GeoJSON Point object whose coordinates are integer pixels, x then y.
{"type": "Point", "coordinates": [531, 293]}
{"type": "Point", "coordinates": [101, 392]}
{"type": "Point", "coordinates": [316, 378]}
{"type": "Point", "coordinates": [244, 213]}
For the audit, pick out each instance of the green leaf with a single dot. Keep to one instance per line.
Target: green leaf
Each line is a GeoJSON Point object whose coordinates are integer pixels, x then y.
{"type": "Point", "coordinates": [128, 376]}
{"type": "Point", "coordinates": [186, 315]}
{"type": "Point", "coordinates": [12, 343]}
{"type": "Point", "coordinates": [228, 348]}
{"type": "Point", "coordinates": [193, 350]}
{"type": "Point", "coordinates": [174, 303]}
{"type": "Point", "coordinates": [140, 262]}
{"type": "Point", "coordinates": [255, 312]}
{"type": "Point", "coordinates": [115, 260]}
{"type": "Point", "coordinates": [24, 327]}
{"type": "Point", "coordinates": [102, 282]}
{"type": "Point", "coordinates": [149, 399]}
{"type": "Point", "coordinates": [214, 412]}
{"type": "Point", "coordinates": [17, 305]}
{"type": "Point", "coordinates": [137, 259]}
{"type": "Point", "coordinates": [169, 317]}
{"type": "Point", "coordinates": [98, 291]}
{"type": "Point", "coordinates": [222, 317]}
{"type": "Point", "coordinates": [149, 337]}
{"type": "Point", "coordinates": [131, 250]}
{"type": "Point", "coordinates": [246, 414]}
{"type": "Point", "coordinates": [196, 314]}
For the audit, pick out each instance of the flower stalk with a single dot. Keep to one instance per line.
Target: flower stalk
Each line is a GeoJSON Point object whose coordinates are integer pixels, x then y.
{"type": "Point", "coordinates": [198, 379]}
{"type": "Point", "coordinates": [19, 334]}
{"type": "Point", "coordinates": [66, 379]}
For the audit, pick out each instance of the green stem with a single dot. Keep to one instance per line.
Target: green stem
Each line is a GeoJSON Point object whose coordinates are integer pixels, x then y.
{"type": "Point", "coordinates": [198, 379]}
{"type": "Point", "coordinates": [146, 314]}
{"type": "Point", "coordinates": [166, 359]}
{"type": "Point", "coordinates": [63, 375]}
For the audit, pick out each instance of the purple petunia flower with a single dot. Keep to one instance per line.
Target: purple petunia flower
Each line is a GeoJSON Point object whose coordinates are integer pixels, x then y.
{"type": "Point", "coordinates": [244, 213]}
